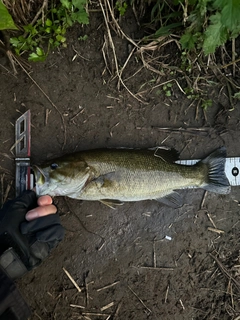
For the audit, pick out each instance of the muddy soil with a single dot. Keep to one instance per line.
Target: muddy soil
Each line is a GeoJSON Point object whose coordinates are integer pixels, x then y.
{"type": "Point", "coordinates": [143, 260]}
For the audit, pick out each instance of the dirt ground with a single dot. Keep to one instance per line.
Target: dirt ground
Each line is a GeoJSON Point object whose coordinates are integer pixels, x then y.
{"type": "Point", "coordinates": [143, 260]}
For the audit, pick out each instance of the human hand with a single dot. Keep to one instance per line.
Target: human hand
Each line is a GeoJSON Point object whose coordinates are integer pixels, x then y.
{"type": "Point", "coordinates": [44, 208]}
{"type": "Point", "coordinates": [29, 229]}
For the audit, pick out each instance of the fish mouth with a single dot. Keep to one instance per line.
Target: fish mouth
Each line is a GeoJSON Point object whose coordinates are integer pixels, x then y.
{"type": "Point", "coordinates": [40, 178]}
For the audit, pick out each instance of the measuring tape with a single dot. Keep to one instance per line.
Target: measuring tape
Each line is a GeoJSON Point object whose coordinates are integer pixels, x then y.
{"type": "Point", "coordinates": [232, 169]}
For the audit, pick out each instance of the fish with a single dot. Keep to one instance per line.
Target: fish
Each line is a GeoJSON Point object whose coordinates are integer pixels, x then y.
{"type": "Point", "coordinates": [115, 176]}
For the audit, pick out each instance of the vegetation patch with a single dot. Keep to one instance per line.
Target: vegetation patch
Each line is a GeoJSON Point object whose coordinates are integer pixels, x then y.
{"type": "Point", "coordinates": [48, 26]}
{"type": "Point", "coordinates": [197, 31]}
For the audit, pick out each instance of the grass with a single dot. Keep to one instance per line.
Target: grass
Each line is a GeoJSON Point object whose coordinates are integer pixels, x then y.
{"type": "Point", "coordinates": [47, 30]}
{"type": "Point", "coordinates": [195, 31]}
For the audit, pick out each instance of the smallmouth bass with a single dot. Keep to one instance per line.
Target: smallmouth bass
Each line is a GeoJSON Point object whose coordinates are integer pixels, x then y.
{"type": "Point", "coordinates": [129, 175]}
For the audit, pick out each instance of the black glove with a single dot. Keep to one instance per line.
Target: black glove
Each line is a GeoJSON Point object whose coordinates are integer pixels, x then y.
{"type": "Point", "coordinates": [23, 244]}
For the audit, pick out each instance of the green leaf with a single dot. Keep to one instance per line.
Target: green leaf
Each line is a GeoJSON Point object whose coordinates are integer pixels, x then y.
{"type": "Point", "coordinates": [236, 32]}
{"type": "Point", "coordinates": [66, 3]}
{"type": "Point", "coordinates": [63, 31]}
{"type": "Point", "coordinates": [83, 38]}
{"type": "Point", "coordinates": [188, 41]}
{"type": "Point", "coordinates": [202, 7]}
{"type": "Point", "coordinates": [230, 10]}
{"type": "Point", "coordinates": [60, 38]}
{"type": "Point", "coordinates": [17, 51]}
{"type": "Point", "coordinates": [215, 35]}
{"type": "Point", "coordinates": [33, 57]}
{"type": "Point", "coordinates": [28, 28]}
{"type": "Point", "coordinates": [69, 20]}
{"type": "Point", "coordinates": [79, 4]}
{"type": "Point", "coordinates": [165, 31]}
{"type": "Point", "coordinates": [6, 21]}
{"type": "Point", "coordinates": [48, 30]}
{"type": "Point", "coordinates": [121, 7]}
{"type": "Point", "coordinates": [40, 51]}
{"type": "Point", "coordinates": [48, 23]}
{"type": "Point", "coordinates": [58, 30]}
{"type": "Point", "coordinates": [80, 17]}
{"type": "Point", "coordinates": [33, 43]}
{"type": "Point", "coordinates": [191, 2]}
{"type": "Point", "coordinates": [206, 104]}
{"type": "Point", "coordinates": [237, 95]}
{"type": "Point", "coordinates": [14, 42]}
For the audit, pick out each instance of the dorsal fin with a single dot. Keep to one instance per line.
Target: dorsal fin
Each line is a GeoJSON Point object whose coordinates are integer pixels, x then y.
{"type": "Point", "coordinates": [167, 154]}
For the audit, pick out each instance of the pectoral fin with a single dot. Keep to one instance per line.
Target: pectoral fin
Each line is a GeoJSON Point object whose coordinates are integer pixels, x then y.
{"type": "Point", "coordinates": [107, 180]}
{"type": "Point", "coordinates": [173, 200]}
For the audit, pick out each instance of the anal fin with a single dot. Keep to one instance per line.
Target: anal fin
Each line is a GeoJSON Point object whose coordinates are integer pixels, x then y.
{"type": "Point", "coordinates": [173, 200]}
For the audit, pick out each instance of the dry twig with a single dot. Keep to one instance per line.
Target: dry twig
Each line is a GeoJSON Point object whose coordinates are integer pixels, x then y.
{"type": "Point", "coordinates": [108, 286]}
{"type": "Point", "coordinates": [225, 272]}
{"type": "Point", "coordinates": [109, 305]}
{"type": "Point", "coordinates": [106, 3]}
{"type": "Point", "coordinates": [166, 295]}
{"type": "Point", "coordinates": [212, 222]}
{"type": "Point", "coordinates": [96, 314]}
{"type": "Point", "coordinates": [41, 10]}
{"type": "Point", "coordinates": [149, 310]}
{"type": "Point", "coordinates": [216, 230]}
{"type": "Point", "coordinates": [72, 280]}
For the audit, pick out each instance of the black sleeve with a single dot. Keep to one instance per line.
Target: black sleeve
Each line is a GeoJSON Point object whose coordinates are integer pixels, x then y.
{"type": "Point", "coordinates": [24, 244]}
{"type": "Point", "coordinates": [12, 305]}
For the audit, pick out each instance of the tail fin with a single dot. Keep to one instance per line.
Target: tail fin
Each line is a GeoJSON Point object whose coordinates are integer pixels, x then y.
{"type": "Point", "coordinates": [216, 181]}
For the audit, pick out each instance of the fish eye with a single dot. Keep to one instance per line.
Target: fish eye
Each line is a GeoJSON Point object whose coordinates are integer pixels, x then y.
{"type": "Point", "coordinates": [54, 166]}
